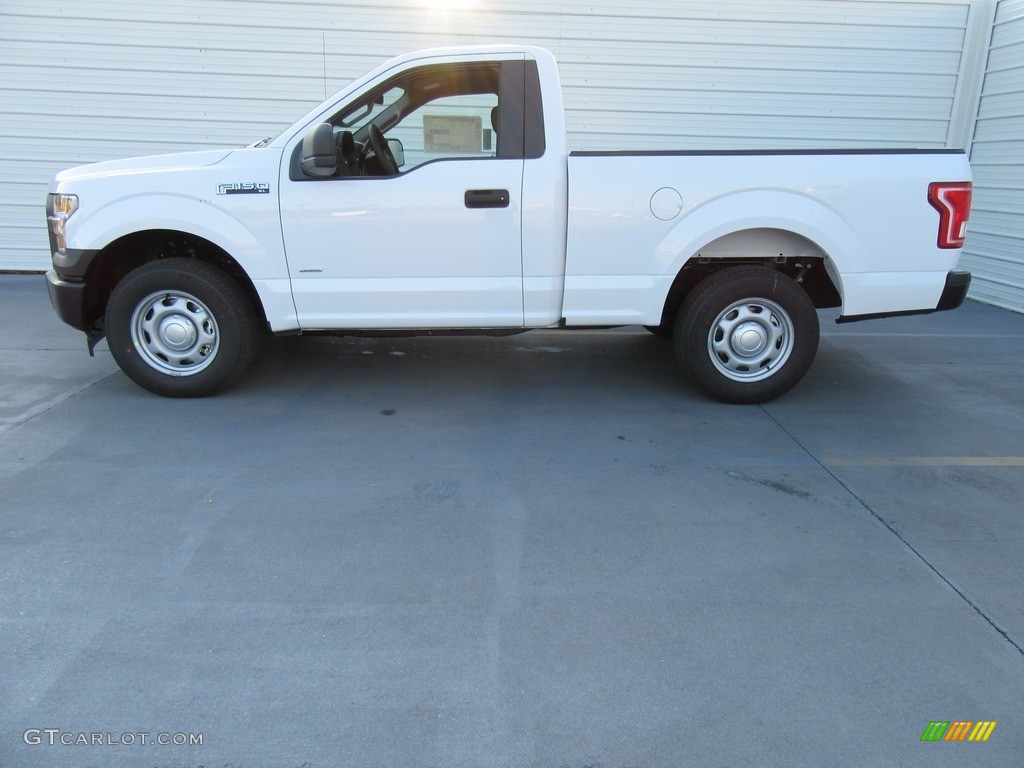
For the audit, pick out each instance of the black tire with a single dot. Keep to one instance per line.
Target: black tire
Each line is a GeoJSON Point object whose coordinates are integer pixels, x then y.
{"type": "Point", "coordinates": [746, 334]}
{"type": "Point", "coordinates": [181, 328]}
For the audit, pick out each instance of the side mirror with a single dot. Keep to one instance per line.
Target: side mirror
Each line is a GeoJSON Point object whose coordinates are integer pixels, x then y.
{"type": "Point", "coordinates": [319, 157]}
{"type": "Point", "coordinates": [398, 151]}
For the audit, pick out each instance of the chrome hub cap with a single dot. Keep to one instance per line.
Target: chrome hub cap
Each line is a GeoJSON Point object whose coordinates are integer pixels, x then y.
{"type": "Point", "coordinates": [750, 339]}
{"type": "Point", "coordinates": [175, 333]}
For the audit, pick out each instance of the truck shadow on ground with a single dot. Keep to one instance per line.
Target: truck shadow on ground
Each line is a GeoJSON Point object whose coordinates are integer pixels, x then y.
{"type": "Point", "coordinates": [612, 362]}
{"type": "Point", "coordinates": [607, 364]}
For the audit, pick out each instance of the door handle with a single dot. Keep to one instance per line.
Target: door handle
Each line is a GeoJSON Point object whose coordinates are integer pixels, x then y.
{"type": "Point", "coordinates": [487, 198]}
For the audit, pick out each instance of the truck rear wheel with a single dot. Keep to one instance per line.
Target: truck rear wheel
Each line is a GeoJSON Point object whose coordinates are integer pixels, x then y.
{"type": "Point", "coordinates": [181, 328]}
{"type": "Point", "coordinates": [746, 334]}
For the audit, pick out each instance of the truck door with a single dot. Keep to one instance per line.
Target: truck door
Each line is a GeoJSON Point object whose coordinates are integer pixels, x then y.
{"type": "Point", "coordinates": [435, 243]}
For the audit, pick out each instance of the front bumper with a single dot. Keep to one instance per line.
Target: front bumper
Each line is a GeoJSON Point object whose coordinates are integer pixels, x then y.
{"type": "Point", "coordinates": [68, 300]}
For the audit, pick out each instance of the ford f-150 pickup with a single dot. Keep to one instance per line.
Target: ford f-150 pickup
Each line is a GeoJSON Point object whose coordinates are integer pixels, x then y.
{"type": "Point", "coordinates": [438, 193]}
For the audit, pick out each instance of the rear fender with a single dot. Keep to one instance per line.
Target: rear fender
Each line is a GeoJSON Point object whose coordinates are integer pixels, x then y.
{"type": "Point", "coordinates": [761, 223]}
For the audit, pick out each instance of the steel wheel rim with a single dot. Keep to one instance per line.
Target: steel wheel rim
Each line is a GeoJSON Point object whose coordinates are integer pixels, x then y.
{"type": "Point", "coordinates": [750, 340]}
{"type": "Point", "coordinates": [175, 333]}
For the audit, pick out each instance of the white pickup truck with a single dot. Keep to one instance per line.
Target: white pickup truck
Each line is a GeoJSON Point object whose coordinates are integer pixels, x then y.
{"type": "Point", "coordinates": [438, 193]}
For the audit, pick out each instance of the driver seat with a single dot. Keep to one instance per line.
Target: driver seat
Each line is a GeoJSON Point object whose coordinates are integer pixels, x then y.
{"type": "Point", "coordinates": [348, 154]}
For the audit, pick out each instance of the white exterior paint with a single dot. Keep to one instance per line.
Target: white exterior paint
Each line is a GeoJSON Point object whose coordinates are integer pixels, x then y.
{"type": "Point", "coordinates": [101, 79]}
{"type": "Point", "coordinates": [440, 245]}
{"type": "Point", "coordinates": [995, 246]}
{"type": "Point", "coordinates": [407, 250]}
{"type": "Point", "coordinates": [863, 213]}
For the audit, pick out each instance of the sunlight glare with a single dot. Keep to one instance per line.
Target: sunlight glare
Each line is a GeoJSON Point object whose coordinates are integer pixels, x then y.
{"type": "Point", "coordinates": [448, 5]}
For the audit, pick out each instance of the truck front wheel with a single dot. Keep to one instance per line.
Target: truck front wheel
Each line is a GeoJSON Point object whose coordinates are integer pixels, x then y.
{"type": "Point", "coordinates": [180, 328]}
{"type": "Point", "coordinates": [746, 334]}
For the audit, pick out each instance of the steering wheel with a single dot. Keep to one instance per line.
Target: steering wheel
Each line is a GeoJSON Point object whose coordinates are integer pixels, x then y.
{"type": "Point", "coordinates": [378, 145]}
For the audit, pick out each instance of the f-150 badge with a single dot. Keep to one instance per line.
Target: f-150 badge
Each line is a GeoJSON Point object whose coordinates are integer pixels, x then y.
{"type": "Point", "coordinates": [244, 188]}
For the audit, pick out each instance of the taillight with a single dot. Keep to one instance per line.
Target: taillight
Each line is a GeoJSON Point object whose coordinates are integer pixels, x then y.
{"type": "Point", "coordinates": [953, 202]}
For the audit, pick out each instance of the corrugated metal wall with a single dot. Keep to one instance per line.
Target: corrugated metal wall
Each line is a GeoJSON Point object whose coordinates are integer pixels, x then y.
{"type": "Point", "coordinates": [995, 244]}
{"type": "Point", "coordinates": [92, 80]}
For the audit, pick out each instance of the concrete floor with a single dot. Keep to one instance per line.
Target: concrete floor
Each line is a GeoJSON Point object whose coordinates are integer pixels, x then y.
{"type": "Point", "coordinates": [542, 550]}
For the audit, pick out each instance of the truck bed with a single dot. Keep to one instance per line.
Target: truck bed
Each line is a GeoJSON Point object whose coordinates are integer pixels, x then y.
{"type": "Point", "coordinates": [635, 219]}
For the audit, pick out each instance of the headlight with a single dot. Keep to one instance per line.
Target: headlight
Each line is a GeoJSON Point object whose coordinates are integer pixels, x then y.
{"type": "Point", "coordinates": [64, 205]}
{"type": "Point", "coordinates": [59, 209]}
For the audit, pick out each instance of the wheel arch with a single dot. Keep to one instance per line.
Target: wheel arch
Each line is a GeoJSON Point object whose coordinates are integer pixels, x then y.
{"type": "Point", "coordinates": [112, 263]}
{"type": "Point", "coordinates": [784, 250]}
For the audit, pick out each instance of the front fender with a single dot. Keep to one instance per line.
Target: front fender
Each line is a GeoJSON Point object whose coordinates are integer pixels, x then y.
{"type": "Point", "coordinates": [253, 241]}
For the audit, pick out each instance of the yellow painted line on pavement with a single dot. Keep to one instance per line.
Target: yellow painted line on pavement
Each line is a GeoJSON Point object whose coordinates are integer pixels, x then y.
{"type": "Point", "coordinates": [925, 461]}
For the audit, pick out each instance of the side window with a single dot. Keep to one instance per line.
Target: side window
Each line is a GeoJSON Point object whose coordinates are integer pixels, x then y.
{"type": "Point", "coordinates": [475, 110]}
{"type": "Point", "coordinates": [458, 126]}
{"type": "Point", "coordinates": [437, 112]}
